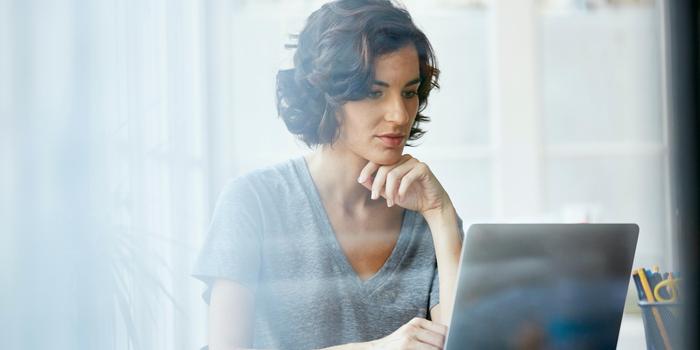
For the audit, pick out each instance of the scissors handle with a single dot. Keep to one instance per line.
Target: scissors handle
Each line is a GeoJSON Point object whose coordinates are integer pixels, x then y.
{"type": "Point", "coordinates": [671, 286]}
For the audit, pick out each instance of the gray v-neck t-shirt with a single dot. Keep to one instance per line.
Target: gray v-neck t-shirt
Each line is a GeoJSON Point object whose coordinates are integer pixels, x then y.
{"type": "Point", "coordinates": [270, 233]}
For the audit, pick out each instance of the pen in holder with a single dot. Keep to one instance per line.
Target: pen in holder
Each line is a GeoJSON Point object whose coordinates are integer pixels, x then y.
{"type": "Point", "coordinates": [658, 295]}
{"type": "Point", "coordinates": [662, 324]}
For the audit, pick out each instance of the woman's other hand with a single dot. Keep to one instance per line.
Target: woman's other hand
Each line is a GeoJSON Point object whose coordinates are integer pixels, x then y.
{"type": "Point", "coordinates": [418, 333]}
{"type": "Point", "coordinates": [409, 183]}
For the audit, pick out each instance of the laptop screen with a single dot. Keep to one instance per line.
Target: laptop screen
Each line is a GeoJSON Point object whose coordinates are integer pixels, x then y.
{"type": "Point", "coordinates": [542, 286]}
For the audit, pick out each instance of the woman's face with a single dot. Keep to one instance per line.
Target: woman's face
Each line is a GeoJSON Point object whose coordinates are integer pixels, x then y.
{"type": "Point", "coordinates": [377, 127]}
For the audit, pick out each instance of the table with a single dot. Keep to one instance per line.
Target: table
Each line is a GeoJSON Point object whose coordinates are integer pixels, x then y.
{"type": "Point", "coordinates": [631, 332]}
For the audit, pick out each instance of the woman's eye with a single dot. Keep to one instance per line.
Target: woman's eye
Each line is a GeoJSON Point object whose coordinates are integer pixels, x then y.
{"type": "Point", "coordinates": [374, 94]}
{"type": "Point", "coordinates": [410, 94]}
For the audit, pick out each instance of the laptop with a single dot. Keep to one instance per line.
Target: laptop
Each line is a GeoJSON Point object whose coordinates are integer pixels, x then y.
{"type": "Point", "coordinates": [542, 286]}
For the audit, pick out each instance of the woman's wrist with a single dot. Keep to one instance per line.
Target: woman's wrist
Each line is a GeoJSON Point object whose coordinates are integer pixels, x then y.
{"type": "Point", "coordinates": [444, 213]}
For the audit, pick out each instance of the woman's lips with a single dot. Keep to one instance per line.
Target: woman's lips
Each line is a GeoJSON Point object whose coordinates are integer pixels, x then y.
{"type": "Point", "coordinates": [391, 141]}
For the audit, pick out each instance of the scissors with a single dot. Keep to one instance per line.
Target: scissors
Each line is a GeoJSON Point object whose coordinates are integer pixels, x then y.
{"type": "Point", "coordinates": [670, 286]}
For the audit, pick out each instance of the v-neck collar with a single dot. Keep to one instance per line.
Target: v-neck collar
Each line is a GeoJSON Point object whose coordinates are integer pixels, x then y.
{"type": "Point", "coordinates": [391, 263]}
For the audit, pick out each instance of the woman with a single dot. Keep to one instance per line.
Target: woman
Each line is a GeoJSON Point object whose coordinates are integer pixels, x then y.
{"type": "Point", "coordinates": [341, 247]}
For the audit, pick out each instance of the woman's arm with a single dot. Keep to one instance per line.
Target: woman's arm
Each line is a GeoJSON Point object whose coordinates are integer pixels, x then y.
{"type": "Point", "coordinates": [411, 184]}
{"type": "Point", "coordinates": [230, 316]}
{"type": "Point", "coordinates": [231, 325]}
{"type": "Point", "coordinates": [444, 228]}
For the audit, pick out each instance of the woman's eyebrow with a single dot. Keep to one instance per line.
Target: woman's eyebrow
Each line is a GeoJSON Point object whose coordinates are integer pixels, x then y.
{"type": "Point", "coordinates": [385, 84]}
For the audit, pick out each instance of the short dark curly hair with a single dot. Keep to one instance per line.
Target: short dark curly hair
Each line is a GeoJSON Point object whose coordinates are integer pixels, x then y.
{"type": "Point", "coordinates": [333, 64]}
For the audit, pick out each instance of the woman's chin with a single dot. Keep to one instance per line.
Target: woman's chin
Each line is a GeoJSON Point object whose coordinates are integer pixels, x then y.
{"type": "Point", "coordinates": [386, 157]}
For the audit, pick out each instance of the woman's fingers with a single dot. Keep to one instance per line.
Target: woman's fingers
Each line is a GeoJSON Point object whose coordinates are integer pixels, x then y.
{"type": "Point", "coordinates": [387, 177]}
{"type": "Point", "coordinates": [417, 333]}
{"type": "Point", "coordinates": [378, 181]}
{"type": "Point", "coordinates": [367, 171]}
{"type": "Point", "coordinates": [429, 337]}
{"type": "Point", "coordinates": [380, 177]}
{"type": "Point", "coordinates": [425, 336]}
{"type": "Point", "coordinates": [428, 332]}
{"type": "Point", "coordinates": [430, 325]}
{"type": "Point", "coordinates": [393, 179]}
{"type": "Point", "coordinates": [425, 346]}
{"type": "Point", "coordinates": [408, 179]}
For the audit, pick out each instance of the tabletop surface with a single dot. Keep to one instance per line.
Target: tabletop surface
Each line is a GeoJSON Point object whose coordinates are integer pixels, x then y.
{"type": "Point", "coordinates": [631, 332]}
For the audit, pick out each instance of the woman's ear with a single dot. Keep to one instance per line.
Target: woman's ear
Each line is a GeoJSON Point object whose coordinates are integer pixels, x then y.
{"type": "Point", "coordinates": [339, 116]}
{"type": "Point", "coordinates": [339, 112]}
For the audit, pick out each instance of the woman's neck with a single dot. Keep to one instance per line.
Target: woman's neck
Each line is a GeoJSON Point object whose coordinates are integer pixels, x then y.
{"type": "Point", "coordinates": [335, 172]}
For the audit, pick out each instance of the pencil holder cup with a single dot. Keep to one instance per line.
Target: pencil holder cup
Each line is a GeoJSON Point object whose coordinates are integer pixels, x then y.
{"type": "Point", "coordinates": [662, 325]}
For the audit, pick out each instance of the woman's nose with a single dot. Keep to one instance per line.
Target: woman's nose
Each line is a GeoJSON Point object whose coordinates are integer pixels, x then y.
{"type": "Point", "coordinates": [396, 111]}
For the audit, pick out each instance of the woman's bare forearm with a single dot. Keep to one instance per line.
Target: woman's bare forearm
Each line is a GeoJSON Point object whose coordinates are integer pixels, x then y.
{"type": "Point", "coordinates": [448, 246]}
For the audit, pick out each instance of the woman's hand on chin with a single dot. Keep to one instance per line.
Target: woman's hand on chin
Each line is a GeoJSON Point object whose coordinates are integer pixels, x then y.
{"type": "Point", "coordinates": [409, 183]}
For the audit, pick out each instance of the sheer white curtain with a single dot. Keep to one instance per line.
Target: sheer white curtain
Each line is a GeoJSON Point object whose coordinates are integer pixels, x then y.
{"type": "Point", "coordinates": [103, 174]}
{"type": "Point", "coordinates": [120, 121]}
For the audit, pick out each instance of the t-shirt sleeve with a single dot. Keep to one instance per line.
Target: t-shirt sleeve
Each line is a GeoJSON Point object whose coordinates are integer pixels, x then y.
{"type": "Point", "coordinates": [232, 247]}
{"type": "Point", "coordinates": [435, 286]}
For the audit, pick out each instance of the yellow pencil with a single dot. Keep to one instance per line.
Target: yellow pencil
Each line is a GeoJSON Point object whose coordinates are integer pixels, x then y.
{"type": "Point", "coordinates": [650, 298]}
